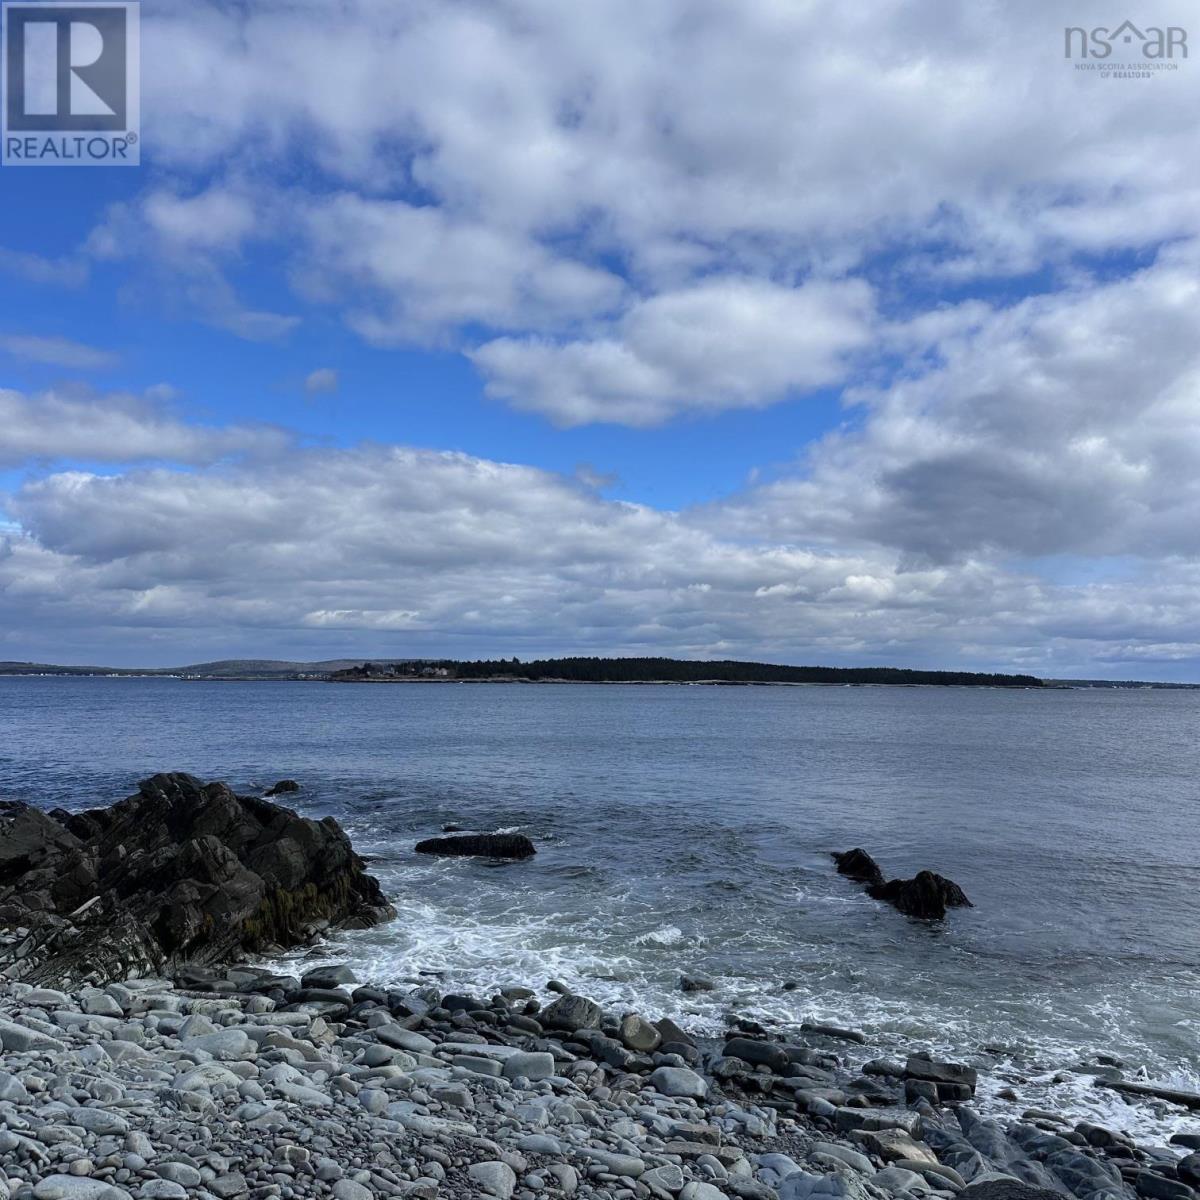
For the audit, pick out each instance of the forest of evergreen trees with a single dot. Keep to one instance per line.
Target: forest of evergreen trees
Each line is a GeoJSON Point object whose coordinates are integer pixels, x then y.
{"type": "Point", "coordinates": [673, 670]}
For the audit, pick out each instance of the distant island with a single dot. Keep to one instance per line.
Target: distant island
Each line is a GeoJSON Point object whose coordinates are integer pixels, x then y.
{"type": "Point", "coordinates": [725, 672]}
{"type": "Point", "coordinates": [663, 670]}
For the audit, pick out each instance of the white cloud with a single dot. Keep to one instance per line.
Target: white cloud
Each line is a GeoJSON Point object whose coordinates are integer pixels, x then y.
{"type": "Point", "coordinates": [180, 248]}
{"type": "Point", "coordinates": [321, 382]}
{"type": "Point", "coordinates": [521, 168]}
{"type": "Point", "coordinates": [722, 343]}
{"type": "Point", "coordinates": [443, 553]}
{"type": "Point", "coordinates": [409, 274]}
{"type": "Point", "coordinates": [57, 352]}
{"type": "Point", "coordinates": [36, 268]}
{"type": "Point", "coordinates": [117, 429]}
{"type": "Point", "coordinates": [1066, 424]}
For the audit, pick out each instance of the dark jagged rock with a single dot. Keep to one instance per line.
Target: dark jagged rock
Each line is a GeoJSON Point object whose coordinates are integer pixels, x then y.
{"type": "Point", "coordinates": [283, 786]}
{"type": "Point", "coordinates": [484, 845]}
{"type": "Point", "coordinates": [927, 895]}
{"type": "Point", "coordinates": [858, 865]}
{"type": "Point", "coordinates": [183, 872]}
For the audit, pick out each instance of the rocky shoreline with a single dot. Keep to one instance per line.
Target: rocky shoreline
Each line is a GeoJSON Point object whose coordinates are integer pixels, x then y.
{"type": "Point", "coordinates": [197, 1079]}
{"type": "Point", "coordinates": [246, 1083]}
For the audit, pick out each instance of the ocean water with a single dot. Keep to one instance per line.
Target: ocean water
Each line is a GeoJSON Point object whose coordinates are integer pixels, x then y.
{"type": "Point", "coordinates": [688, 829]}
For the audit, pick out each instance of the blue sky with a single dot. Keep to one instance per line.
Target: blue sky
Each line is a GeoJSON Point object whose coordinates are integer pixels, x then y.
{"type": "Point", "coordinates": [481, 327]}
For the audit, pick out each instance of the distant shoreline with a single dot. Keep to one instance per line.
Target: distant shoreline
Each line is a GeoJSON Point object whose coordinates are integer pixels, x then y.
{"type": "Point", "coordinates": [1047, 685]}
{"type": "Point", "coordinates": [656, 671]}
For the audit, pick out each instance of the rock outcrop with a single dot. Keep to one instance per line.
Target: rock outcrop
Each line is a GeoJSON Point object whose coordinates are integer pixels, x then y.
{"type": "Point", "coordinates": [858, 865]}
{"type": "Point", "coordinates": [182, 872]}
{"type": "Point", "coordinates": [483, 845]}
{"type": "Point", "coordinates": [926, 896]}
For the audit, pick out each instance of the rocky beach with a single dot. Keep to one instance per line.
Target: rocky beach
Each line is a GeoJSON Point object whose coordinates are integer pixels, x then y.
{"type": "Point", "coordinates": [149, 1053]}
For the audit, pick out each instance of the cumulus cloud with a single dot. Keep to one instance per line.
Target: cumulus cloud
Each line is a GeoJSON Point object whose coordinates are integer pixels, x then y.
{"type": "Point", "coordinates": [411, 273]}
{"type": "Point", "coordinates": [534, 184]}
{"type": "Point", "coordinates": [1065, 424]}
{"type": "Point", "coordinates": [723, 343]}
{"type": "Point", "coordinates": [116, 429]}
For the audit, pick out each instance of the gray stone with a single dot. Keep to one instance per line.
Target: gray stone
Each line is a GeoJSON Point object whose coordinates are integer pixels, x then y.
{"type": "Point", "coordinates": [13, 1090]}
{"type": "Point", "coordinates": [539, 1143]}
{"type": "Point", "coordinates": [229, 1187]}
{"type": "Point", "coordinates": [227, 1045]}
{"type": "Point", "coordinates": [667, 1179]}
{"type": "Point", "coordinates": [404, 1039]}
{"type": "Point", "coordinates": [619, 1164]}
{"type": "Point", "coordinates": [1158, 1187]}
{"type": "Point", "coordinates": [76, 1187]}
{"type": "Point", "coordinates": [532, 1066]}
{"type": "Point", "coordinates": [1005, 1189]}
{"type": "Point", "coordinates": [679, 1081]}
{"type": "Point", "coordinates": [697, 1190]}
{"type": "Point", "coordinates": [162, 1189]}
{"type": "Point", "coordinates": [571, 1013]}
{"type": "Point", "coordinates": [495, 1178]}
{"type": "Point", "coordinates": [852, 1158]}
{"type": "Point", "coordinates": [348, 1189]}
{"type": "Point", "coordinates": [919, 1066]}
{"type": "Point", "coordinates": [639, 1035]}
{"type": "Point", "coordinates": [20, 1039]}
{"type": "Point", "coordinates": [766, 1054]}
{"type": "Point", "coordinates": [180, 1173]}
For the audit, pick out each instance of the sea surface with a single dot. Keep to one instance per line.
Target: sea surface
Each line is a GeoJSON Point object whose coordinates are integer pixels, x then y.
{"type": "Point", "coordinates": [688, 829]}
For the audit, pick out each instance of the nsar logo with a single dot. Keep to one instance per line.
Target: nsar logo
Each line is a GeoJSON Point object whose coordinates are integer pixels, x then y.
{"type": "Point", "coordinates": [1153, 42]}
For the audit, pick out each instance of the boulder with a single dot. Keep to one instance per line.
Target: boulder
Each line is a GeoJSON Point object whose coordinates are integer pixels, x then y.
{"type": "Point", "coordinates": [858, 865]}
{"type": "Point", "coordinates": [766, 1054]}
{"type": "Point", "coordinates": [941, 1074]}
{"type": "Point", "coordinates": [926, 896]}
{"type": "Point", "coordinates": [639, 1035]}
{"type": "Point", "coordinates": [483, 845]}
{"type": "Point", "coordinates": [572, 1013]}
{"type": "Point", "coordinates": [282, 787]}
{"type": "Point", "coordinates": [183, 873]}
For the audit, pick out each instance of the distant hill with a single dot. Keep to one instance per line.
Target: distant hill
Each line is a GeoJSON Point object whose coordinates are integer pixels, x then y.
{"type": "Point", "coordinates": [231, 668]}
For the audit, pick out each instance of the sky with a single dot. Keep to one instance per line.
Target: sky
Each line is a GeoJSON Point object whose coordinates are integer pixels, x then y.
{"type": "Point", "coordinates": [787, 329]}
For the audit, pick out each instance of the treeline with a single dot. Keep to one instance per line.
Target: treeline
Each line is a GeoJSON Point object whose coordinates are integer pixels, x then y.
{"type": "Point", "coordinates": [674, 670]}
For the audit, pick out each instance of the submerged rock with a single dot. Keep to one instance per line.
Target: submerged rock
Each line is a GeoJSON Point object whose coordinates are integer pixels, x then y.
{"type": "Point", "coordinates": [181, 872]}
{"type": "Point", "coordinates": [484, 845]}
{"type": "Point", "coordinates": [284, 785]}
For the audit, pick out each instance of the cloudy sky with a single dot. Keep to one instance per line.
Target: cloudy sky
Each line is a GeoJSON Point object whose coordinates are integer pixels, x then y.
{"type": "Point", "coordinates": [786, 329]}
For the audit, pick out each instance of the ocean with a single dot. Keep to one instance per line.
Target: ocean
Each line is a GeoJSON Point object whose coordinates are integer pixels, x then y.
{"type": "Point", "coordinates": [689, 830]}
